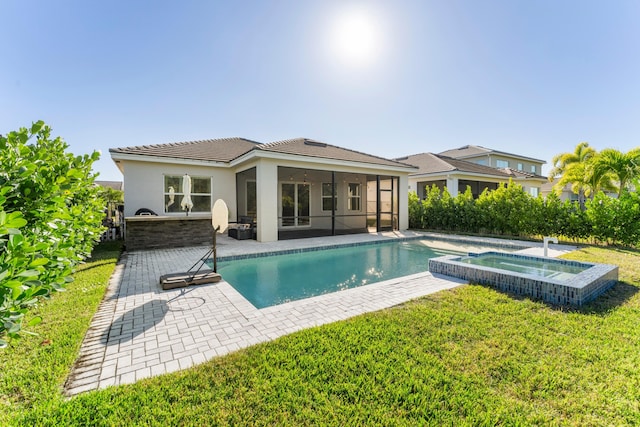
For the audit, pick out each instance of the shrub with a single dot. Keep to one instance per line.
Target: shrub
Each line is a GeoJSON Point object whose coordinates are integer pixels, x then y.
{"type": "Point", "coordinates": [50, 218]}
{"type": "Point", "coordinates": [509, 210]}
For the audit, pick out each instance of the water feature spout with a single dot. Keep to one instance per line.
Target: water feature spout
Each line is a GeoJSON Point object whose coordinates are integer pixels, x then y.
{"type": "Point", "coordinates": [546, 241]}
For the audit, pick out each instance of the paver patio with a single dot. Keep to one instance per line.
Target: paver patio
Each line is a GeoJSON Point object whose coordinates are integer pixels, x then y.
{"type": "Point", "coordinates": [141, 331]}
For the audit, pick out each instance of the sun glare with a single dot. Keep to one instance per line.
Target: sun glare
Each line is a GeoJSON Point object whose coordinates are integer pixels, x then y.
{"type": "Point", "coordinates": [355, 37]}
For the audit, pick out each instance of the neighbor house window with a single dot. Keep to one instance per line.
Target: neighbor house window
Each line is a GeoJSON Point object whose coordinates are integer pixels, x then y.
{"type": "Point", "coordinates": [200, 193]}
{"type": "Point", "coordinates": [481, 162]}
{"type": "Point", "coordinates": [533, 169]}
{"type": "Point", "coordinates": [353, 200]}
{"type": "Point", "coordinates": [502, 163]}
{"type": "Point", "coordinates": [520, 168]}
{"type": "Point", "coordinates": [329, 194]}
{"type": "Point", "coordinates": [534, 191]}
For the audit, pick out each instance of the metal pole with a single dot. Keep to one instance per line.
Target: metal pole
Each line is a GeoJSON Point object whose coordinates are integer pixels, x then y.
{"type": "Point", "coordinates": [333, 203]}
{"type": "Point", "coordinates": [214, 250]}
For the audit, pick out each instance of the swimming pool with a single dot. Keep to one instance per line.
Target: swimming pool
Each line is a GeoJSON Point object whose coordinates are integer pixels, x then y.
{"type": "Point", "coordinates": [276, 279]}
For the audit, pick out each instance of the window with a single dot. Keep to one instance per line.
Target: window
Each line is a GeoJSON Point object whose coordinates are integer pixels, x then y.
{"type": "Point", "coordinates": [534, 191]}
{"type": "Point", "coordinates": [353, 200]}
{"type": "Point", "coordinates": [200, 193]}
{"type": "Point", "coordinates": [520, 168]}
{"type": "Point", "coordinates": [327, 191]}
{"type": "Point", "coordinates": [533, 169]}
{"type": "Point", "coordinates": [502, 164]}
{"type": "Point", "coordinates": [481, 162]}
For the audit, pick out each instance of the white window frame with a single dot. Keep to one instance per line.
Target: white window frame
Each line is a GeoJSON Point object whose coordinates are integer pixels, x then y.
{"type": "Point", "coordinates": [534, 169]}
{"type": "Point", "coordinates": [323, 197]}
{"type": "Point", "coordinates": [178, 195]}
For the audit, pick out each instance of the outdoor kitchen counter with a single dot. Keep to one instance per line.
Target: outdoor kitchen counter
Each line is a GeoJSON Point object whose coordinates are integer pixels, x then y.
{"type": "Point", "coordinates": [156, 232]}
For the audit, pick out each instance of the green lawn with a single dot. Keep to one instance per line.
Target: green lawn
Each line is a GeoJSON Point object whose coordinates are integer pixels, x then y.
{"type": "Point", "coordinates": [471, 356]}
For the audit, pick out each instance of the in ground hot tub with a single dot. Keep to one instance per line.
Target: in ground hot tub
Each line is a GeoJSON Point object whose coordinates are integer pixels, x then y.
{"type": "Point", "coordinates": [556, 281]}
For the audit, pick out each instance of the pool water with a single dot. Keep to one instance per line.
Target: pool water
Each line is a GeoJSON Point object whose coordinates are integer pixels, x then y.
{"type": "Point", "coordinates": [273, 280]}
{"type": "Point", "coordinates": [552, 268]}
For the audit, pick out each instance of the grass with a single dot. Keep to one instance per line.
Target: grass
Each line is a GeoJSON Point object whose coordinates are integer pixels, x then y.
{"type": "Point", "coordinates": [34, 368]}
{"type": "Point", "coordinates": [471, 356]}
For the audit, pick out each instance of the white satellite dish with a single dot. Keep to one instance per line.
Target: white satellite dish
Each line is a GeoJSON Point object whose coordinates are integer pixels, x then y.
{"type": "Point", "coordinates": [220, 216]}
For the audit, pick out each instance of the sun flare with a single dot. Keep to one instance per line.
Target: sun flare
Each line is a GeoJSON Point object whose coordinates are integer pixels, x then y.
{"type": "Point", "coordinates": [355, 37]}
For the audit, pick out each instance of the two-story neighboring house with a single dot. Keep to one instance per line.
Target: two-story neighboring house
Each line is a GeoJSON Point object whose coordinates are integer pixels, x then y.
{"type": "Point", "coordinates": [495, 159]}
{"type": "Point", "coordinates": [476, 167]}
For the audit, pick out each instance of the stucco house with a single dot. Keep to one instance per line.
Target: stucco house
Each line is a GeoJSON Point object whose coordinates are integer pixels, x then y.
{"type": "Point", "coordinates": [479, 168]}
{"type": "Point", "coordinates": [292, 188]}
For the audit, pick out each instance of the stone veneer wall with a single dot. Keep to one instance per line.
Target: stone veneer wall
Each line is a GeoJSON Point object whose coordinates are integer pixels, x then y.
{"type": "Point", "coordinates": [158, 233]}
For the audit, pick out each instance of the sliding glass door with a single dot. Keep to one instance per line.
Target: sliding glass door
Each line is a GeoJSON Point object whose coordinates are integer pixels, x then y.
{"type": "Point", "coordinates": [294, 211]}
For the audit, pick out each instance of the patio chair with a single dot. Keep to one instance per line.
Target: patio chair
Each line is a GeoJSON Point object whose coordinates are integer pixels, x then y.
{"type": "Point", "coordinates": [246, 229]}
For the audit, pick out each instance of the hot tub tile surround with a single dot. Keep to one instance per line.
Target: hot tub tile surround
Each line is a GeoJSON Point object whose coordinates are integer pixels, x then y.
{"type": "Point", "coordinates": [578, 290]}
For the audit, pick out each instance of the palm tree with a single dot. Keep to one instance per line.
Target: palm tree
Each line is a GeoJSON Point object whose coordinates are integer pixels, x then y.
{"type": "Point", "coordinates": [624, 167]}
{"type": "Point", "coordinates": [573, 169]}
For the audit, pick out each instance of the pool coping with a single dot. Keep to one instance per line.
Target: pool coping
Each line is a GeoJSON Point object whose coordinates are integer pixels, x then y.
{"type": "Point", "coordinates": [439, 237]}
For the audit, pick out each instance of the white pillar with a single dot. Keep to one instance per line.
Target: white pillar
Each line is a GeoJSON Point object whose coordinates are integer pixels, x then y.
{"type": "Point", "coordinates": [267, 201]}
{"type": "Point", "coordinates": [403, 207]}
{"type": "Point", "coordinates": [452, 186]}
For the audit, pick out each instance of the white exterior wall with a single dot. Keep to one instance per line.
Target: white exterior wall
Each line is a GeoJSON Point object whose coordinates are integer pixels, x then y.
{"type": "Point", "coordinates": [492, 161]}
{"type": "Point", "coordinates": [144, 186]}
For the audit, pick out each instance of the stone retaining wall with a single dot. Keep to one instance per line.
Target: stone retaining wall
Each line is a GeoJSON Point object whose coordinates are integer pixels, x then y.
{"type": "Point", "coordinates": [157, 233]}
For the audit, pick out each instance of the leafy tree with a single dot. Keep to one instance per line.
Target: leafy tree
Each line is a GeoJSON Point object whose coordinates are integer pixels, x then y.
{"type": "Point", "coordinates": [572, 169]}
{"type": "Point", "coordinates": [111, 195]}
{"type": "Point", "coordinates": [624, 167]}
{"type": "Point", "coordinates": [50, 218]}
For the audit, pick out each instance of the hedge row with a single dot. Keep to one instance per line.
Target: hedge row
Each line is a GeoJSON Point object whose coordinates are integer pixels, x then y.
{"type": "Point", "coordinates": [50, 219]}
{"type": "Point", "coordinates": [510, 211]}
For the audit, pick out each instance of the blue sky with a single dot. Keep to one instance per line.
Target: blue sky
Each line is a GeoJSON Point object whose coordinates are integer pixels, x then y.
{"type": "Point", "coordinates": [529, 77]}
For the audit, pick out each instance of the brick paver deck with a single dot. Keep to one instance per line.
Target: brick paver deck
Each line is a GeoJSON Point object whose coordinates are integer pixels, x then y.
{"type": "Point", "coordinates": [141, 331]}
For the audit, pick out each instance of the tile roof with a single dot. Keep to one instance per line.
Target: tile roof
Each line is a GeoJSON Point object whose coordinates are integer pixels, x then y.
{"type": "Point", "coordinates": [467, 150]}
{"type": "Point", "coordinates": [436, 163]}
{"type": "Point", "coordinates": [477, 150]}
{"type": "Point", "coordinates": [228, 149]}
{"type": "Point", "coordinates": [312, 148]}
{"type": "Point", "coordinates": [523, 174]}
{"type": "Point", "coordinates": [217, 150]}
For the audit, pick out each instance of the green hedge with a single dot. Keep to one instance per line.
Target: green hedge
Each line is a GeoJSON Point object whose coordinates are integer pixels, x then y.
{"type": "Point", "coordinates": [510, 211]}
{"type": "Point", "coordinates": [50, 218]}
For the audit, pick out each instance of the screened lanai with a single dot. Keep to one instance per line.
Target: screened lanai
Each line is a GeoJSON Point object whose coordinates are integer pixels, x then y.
{"type": "Point", "coordinates": [313, 203]}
